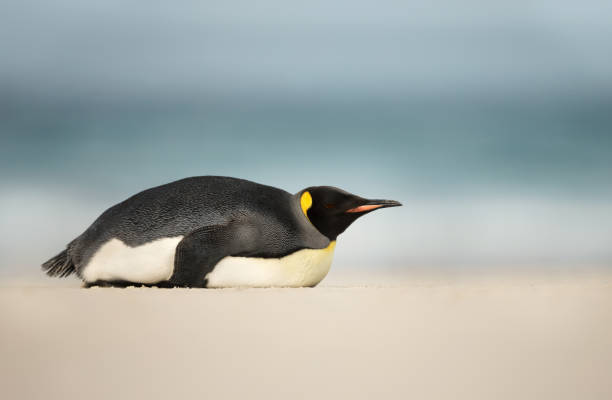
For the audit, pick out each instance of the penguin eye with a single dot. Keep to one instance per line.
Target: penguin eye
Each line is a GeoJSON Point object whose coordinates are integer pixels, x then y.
{"type": "Point", "coordinates": [330, 205]}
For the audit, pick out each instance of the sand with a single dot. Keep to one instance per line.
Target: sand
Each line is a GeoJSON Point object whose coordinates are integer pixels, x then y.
{"type": "Point", "coordinates": [499, 337]}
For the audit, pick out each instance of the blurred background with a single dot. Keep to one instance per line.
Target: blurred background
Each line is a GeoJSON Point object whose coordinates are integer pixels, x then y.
{"type": "Point", "coordinates": [491, 122]}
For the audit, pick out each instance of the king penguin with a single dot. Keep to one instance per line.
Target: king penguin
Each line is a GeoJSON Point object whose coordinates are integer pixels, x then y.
{"type": "Point", "coordinates": [214, 232]}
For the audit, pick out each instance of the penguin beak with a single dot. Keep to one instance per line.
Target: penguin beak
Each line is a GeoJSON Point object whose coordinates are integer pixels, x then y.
{"type": "Point", "coordinates": [370, 205]}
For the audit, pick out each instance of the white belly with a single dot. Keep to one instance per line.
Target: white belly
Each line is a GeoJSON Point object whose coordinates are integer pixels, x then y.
{"type": "Point", "coordinates": [150, 263]}
{"type": "Point", "coordinates": [154, 262]}
{"type": "Point", "coordinates": [305, 267]}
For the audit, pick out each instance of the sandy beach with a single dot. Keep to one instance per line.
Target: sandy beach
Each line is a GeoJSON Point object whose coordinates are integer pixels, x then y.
{"type": "Point", "coordinates": [524, 336]}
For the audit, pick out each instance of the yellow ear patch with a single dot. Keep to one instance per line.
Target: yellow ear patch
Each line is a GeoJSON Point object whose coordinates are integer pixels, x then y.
{"type": "Point", "coordinates": [306, 202]}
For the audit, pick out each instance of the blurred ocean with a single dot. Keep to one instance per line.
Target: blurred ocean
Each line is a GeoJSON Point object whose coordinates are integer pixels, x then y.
{"type": "Point", "coordinates": [492, 124]}
{"type": "Point", "coordinates": [482, 182]}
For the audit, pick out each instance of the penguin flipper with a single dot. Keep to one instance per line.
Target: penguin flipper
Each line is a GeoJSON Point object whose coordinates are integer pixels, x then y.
{"type": "Point", "coordinates": [199, 251]}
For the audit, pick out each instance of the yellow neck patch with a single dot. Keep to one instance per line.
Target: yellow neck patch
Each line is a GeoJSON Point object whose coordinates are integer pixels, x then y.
{"type": "Point", "coordinates": [306, 202]}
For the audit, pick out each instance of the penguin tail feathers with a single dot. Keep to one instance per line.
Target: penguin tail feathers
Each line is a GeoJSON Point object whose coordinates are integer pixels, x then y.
{"type": "Point", "coordinates": [61, 265]}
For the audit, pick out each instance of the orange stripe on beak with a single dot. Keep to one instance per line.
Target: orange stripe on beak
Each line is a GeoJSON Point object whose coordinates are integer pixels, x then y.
{"type": "Point", "coordinates": [364, 208]}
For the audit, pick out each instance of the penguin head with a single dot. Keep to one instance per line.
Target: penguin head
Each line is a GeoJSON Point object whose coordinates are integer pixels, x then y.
{"type": "Point", "coordinates": [332, 210]}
